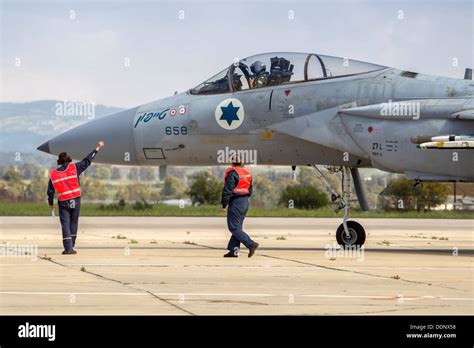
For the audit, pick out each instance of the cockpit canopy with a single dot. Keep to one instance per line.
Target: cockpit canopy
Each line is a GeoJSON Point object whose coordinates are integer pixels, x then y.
{"type": "Point", "coordinates": [273, 69]}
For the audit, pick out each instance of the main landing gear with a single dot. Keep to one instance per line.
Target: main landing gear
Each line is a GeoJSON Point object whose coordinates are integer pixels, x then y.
{"type": "Point", "coordinates": [349, 234]}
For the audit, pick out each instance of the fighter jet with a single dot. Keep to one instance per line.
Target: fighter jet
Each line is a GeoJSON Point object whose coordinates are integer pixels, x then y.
{"type": "Point", "coordinates": [300, 109]}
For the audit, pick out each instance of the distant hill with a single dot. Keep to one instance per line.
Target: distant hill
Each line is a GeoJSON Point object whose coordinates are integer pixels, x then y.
{"type": "Point", "coordinates": [24, 126]}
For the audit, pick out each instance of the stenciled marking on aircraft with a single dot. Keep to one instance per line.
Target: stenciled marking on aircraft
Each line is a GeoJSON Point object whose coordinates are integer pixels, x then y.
{"type": "Point", "coordinates": [181, 109]}
{"type": "Point", "coordinates": [230, 114]}
{"type": "Point", "coordinates": [145, 117]}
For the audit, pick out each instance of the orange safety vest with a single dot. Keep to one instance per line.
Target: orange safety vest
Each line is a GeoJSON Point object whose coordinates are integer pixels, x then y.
{"type": "Point", "coordinates": [245, 179]}
{"type": "Point", "coordinates": [66, 182]}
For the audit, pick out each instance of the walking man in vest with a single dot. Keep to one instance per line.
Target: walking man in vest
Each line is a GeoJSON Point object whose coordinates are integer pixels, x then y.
{"type": "Point", "coordinates": [235, 197]}
{"type": "Point", "coordinates": [65, 182]}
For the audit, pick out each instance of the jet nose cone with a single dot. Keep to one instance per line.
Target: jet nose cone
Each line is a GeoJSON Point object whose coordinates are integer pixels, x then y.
{"type": "Point", "coordinates": [115, 130]}
{"type": "Point", "coordinates": [44, 147]}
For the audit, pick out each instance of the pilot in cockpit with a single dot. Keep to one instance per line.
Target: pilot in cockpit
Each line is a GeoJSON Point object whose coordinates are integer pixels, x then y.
{"type": "Point", "coordinates": [260, 75]}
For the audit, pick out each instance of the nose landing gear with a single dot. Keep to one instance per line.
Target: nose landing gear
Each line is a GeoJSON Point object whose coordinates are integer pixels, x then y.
{"type": "Point", "coordinates": [349, 234]}
{"type": "Point", "coordinates": [355, 236]}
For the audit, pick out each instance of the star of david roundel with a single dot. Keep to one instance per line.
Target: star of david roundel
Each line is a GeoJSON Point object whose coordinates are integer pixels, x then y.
{"type": "Point", "coordinates": [230, 114]}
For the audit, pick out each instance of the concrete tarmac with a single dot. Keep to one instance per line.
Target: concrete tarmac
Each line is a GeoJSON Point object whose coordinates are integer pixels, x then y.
{"type": "Point", "coordinates": [174, 266]}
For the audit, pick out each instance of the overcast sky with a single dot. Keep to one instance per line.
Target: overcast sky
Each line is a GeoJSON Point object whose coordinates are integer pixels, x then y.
{"type": "Point", "coordinates": [79, 50]}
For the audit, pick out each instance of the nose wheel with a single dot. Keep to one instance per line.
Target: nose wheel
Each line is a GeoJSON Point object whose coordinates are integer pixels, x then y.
{"type": "Point", "coordinates": [355, 236]}
{"type": "Point", "coordinates": [349, 234]}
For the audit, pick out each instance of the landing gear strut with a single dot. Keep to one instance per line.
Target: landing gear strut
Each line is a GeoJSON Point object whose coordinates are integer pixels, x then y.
{"type": "Point", "coordinates": [349, 234]}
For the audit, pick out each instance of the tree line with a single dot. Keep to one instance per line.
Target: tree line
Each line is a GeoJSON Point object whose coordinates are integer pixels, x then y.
{"type": "Point", "coordinates": [304, 190]}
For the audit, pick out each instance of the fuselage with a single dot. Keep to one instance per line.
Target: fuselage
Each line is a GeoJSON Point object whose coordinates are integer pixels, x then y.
{"type": "Point", "coordinates": [294, 123]}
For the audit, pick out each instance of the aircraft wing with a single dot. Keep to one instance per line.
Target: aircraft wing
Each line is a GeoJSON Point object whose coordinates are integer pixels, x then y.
{"type": "Point", "coordinates": [456, 109]}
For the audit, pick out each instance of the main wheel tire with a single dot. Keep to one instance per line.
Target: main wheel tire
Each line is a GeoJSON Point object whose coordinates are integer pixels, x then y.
{"type": "Point", "coordinates": [357, 235]}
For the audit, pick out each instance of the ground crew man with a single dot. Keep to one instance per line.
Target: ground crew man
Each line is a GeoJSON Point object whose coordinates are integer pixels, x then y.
{"type": "Point", "coordinates": [65, 182]}
{"type": "Point", "coordinates": [235, 197]}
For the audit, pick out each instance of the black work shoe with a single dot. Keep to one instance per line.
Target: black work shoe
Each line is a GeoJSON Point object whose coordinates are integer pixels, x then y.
{"type": "Point", "coordinates": [230, 254]}
{"type": "Point", "coordinates": [252, 249]}
{"type": "Point", "coordinates": [69, 252]}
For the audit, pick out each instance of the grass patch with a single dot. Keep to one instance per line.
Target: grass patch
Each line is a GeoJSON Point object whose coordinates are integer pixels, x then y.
{"type": "Point", "coordinates": [133, 241]}
{"type": "Point", "coordinates": [83, 269]}
{"type": "Point", "coordinates": [189, 243]}
{"type": "Point", "coordinates": [94, 209]}
{"type": "Point", "coordinates": [281, 238]}
{"type": "Point", "coordinates": [119, 236]}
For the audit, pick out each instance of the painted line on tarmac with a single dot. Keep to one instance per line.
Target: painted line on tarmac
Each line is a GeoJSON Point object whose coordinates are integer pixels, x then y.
{"type": "Point", "coordinates": [405, 250]}
{"type": "Point", "coordinates": [72, 293]}
{"type": "Point", "coordinates": [449, 269]}
{"type": "Point", "coordinates": [177, 294]}
{"type": "Point", "coordinates": [132, 293]}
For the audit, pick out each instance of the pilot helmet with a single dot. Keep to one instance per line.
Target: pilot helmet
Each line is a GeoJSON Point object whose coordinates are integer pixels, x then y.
{"type": "Point", "coordinates": [258, 67]}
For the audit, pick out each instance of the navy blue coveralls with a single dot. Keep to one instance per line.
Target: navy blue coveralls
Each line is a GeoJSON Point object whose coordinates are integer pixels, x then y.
{"type": "Point", "coordinates": [69, 210]}
{"type": "Point", "coordinates": [238, 205]}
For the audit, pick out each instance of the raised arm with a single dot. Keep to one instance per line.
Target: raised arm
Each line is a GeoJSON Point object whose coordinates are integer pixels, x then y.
{"type": "Point", "coordinates": [86, 162]}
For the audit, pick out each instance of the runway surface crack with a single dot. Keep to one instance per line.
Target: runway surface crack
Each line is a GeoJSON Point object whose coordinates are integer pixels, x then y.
{"type": "Point", "coordinates": [121, 283]}
{"type": "Point", "coordinates": [344, 270]}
